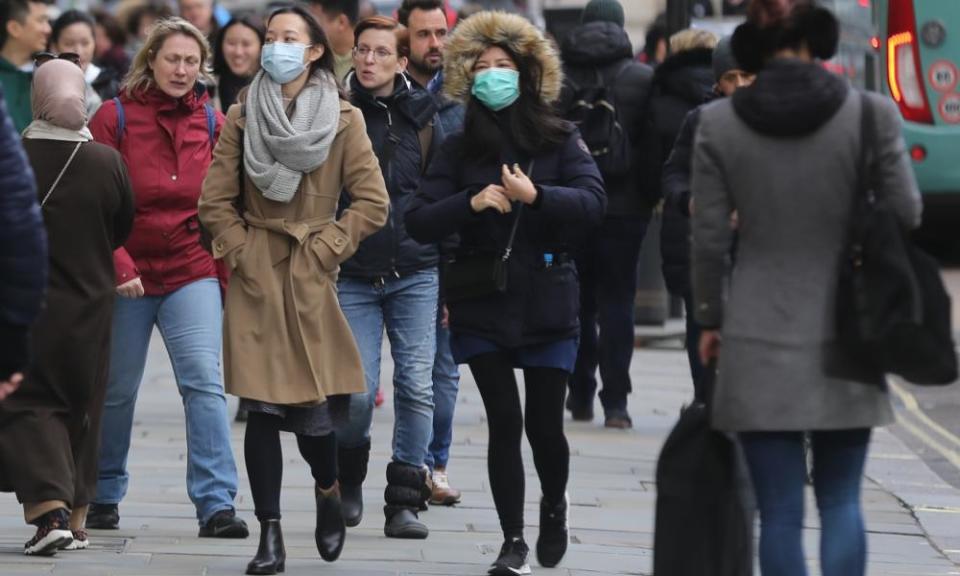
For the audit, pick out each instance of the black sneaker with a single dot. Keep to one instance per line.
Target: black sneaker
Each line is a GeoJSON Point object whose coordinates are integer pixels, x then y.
{"type": "Point", "coordinates": [103, 517]}
{"type": "Point", "coordinates": [554, 533]}
{"type": "Point", "coordinates": [224, 524]}
{"type": "Point", "coordinates": [512, 560]}
{"type": "Point", "coordinates": [579, 412]}
{"type": "Point", "coordinates": [53, 533]}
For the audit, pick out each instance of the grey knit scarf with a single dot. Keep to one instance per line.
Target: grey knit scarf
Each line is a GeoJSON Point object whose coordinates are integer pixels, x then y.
{"type": "Point", "coordinates": [279, 150]}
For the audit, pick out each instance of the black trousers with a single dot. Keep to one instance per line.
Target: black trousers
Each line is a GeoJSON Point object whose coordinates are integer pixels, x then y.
{"type": "Point", "coordinates": [545, 394]}
{"type": "Point", "coordinates": [608, 286]}
{"type": "Point", "coordinates": [264, 456]}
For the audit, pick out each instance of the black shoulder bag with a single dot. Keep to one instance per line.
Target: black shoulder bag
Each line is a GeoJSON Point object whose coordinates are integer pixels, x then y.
{"type": "Point", "coordinates": [893, 312]}
{"type": "Point", "coordinates": [471, 276]}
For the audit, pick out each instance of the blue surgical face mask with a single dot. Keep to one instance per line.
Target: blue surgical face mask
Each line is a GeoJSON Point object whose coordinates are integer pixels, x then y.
{"type": "Point", "coordinates": [496, 88]}
{"type": "Point", "coordinates": [283, 61]}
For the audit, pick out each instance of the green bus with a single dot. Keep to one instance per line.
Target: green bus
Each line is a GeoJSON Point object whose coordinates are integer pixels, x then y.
{"type": "Point", "coordinates": [919, 44]}
{"type": "Point", "coordinates": [910, 50]}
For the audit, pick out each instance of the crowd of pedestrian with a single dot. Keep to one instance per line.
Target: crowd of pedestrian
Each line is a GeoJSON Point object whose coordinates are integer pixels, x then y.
{"type": "Point", "coordinates": [282, 190]}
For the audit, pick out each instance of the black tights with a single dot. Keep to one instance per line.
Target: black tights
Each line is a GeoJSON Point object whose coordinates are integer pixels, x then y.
{"type": "Point", "coordinates": [546, 389]}
{"type": "Point", "coordinates": [261, 448]}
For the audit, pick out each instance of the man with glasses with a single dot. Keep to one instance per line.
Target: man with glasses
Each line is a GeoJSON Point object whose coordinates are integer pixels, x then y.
{"type": "Point", "coordinates": [426, 22]}
{"type": "Point", "coordinates": [391, 283]}
{"type": "Point", "coordinates": [25, 31]}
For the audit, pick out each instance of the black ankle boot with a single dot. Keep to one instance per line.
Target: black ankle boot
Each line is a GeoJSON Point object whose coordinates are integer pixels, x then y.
{"type": "Point", "coordinates": [271, 555]}
{"type": "Point", "coordinates": [352, 467]}
{"type": "Point", "coordinates": [331, 530]}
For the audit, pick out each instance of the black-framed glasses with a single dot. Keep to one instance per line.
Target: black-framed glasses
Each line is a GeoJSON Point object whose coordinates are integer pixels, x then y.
{"type": "Point", "coordinates": [43, 57]}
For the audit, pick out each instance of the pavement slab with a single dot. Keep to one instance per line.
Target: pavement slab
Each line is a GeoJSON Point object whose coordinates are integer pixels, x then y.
{"type": "Point", "coordinates": [913, 517]}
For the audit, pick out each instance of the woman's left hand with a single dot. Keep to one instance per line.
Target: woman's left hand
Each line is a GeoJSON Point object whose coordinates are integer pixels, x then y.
{"type": "Point", "coordinates": [518, 185]}
{"type": "Point", "coordinates": [709, 345]}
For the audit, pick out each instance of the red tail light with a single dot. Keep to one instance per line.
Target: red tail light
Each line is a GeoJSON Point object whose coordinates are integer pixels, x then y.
{"type": "Point", "coordinates": [904, 72]}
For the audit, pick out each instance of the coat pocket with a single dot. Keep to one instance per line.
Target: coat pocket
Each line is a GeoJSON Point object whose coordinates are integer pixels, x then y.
{"type": "Point", "coordinates": [329, 249]}
{"type": "Point", "coordinates": [553, 301]}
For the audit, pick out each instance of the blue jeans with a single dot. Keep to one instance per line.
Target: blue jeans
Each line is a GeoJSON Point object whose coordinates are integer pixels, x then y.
{"type": "Point", "coordinates": [446, 384]}
{"type": "Point", "coordinates": [608, 287]}
{"type": "Point", "coordinates": [778, 469]}
{"type": "Point", "coordinates": [693, 350]}
{"type": "Point", "coordinates": [190, 322]}
{"type": "Point", "coordinates": [407, 308]}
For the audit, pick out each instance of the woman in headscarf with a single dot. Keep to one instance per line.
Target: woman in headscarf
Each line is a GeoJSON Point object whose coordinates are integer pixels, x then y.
{"type": "Point", "coordinates": [87, 205]}
{"type": "Point", "coordinates": [519, 186]}
{"type": "Point", "coordinates": [284, 158]}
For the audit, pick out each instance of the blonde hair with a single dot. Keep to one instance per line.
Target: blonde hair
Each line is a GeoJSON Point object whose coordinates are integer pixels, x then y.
{"type": "Point", "coordinates": [140, 77]}
{"type": "Point", "coordinates": [690, 39]}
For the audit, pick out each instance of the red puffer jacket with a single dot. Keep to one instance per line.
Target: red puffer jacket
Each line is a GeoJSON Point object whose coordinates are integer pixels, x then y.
{"type": "Point", "coordinates": [166, 146]}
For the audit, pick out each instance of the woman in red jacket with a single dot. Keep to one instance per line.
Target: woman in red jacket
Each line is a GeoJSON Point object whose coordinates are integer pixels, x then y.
{"type": "Point", "coordinates": [165, 129]}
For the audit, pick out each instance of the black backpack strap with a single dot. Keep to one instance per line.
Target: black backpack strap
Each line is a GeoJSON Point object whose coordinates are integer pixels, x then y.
{"type": "Point", "coordinates": [121, 120]}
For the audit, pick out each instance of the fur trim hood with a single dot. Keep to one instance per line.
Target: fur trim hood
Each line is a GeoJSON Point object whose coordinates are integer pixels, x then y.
{"type": "Point", "coordinates": [477, 33]}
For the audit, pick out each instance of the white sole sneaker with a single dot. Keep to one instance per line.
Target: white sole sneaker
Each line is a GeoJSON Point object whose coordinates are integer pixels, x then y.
{"type": "Point", "coordinates": [49, 544]}
{"type": "Point", "coordinates": [77, 545]}
{"type": "Point", "coordinates": [507, 571]}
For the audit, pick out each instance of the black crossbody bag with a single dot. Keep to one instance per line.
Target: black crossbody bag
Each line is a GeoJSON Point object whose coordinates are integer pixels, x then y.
{"type": "Point", "coordinates": [472, 276]}
{"type": "Point", "coordinates": [893, 311]}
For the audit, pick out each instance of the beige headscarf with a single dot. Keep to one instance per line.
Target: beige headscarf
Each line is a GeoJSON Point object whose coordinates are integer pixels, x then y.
{"type": "Point", "coordinates": [59, 103]}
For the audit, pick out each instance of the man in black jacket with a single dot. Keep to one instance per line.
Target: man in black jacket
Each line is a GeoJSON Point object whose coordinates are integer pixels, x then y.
{"type": "Point", "coordinates": [599, 51]}
{"type": "Point", "coordinates": [23, 255]}
{"type": "Point", "coordinates": [675, 233]}
{"type": "Point", "coordinates": [391, 283]}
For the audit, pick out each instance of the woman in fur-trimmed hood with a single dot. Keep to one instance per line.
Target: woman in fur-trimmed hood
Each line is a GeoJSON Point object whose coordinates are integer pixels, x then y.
{"type": "Point", "coordinates": [516, 167]}
{"type": "Point", "coordinates": [477, 33]}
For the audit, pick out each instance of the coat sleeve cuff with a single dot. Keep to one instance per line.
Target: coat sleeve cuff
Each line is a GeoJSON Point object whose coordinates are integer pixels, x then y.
{"type": "Point", "coordinates": [233, 238]}
{"type": "Point", "coordinates": [15, 346]}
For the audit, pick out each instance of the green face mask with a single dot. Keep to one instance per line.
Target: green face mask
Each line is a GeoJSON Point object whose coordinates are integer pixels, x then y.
{"type": "Point", "coordinates": [496, 88]}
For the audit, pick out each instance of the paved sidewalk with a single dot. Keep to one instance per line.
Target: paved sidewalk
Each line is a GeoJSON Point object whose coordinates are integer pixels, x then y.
{"type": "Point", "coordinates": [913, 518]}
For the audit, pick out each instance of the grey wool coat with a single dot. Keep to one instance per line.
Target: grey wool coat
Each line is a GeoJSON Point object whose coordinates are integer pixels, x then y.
{"type": "Point", "coordinates": [793, 195]}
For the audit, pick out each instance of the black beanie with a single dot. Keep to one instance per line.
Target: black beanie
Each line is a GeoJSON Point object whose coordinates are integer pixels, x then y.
{"type": "Point", "coordinates": [603, 11]}
{"type": "Point", "coordinates": [723, 58]}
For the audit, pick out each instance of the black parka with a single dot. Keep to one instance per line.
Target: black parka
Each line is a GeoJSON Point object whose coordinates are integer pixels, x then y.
{"type": "Point", "coordinates": [393, 125]}
{"type": "Point", "coordinates": [542, 303]}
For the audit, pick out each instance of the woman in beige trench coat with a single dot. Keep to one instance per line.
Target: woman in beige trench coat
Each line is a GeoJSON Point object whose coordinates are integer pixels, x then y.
{"type": "Point", "coordinates": [294, 144]}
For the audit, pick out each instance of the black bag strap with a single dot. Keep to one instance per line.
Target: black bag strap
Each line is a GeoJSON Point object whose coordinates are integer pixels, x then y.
{"type": "Point", "coordinates": [867, 136]}
{"type": "Point", "coordinates": [863, 195]}
{"type": "Point", "coordinates": [516, 219]}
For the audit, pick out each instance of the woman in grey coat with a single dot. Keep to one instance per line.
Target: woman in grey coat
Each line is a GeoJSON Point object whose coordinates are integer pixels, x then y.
{"type": "Point", "coordinates": [783, 154]}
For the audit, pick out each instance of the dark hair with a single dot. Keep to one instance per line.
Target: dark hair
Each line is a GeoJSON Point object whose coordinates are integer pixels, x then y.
{"type": "Point", "coordinates": [400, 33]}
{"type": "Point", "coordinates": [349, 8]}
{"type": "Point", "coordinates": [530, 125]}
{"type": "Point", "coordinates": [220, 67]}
{"type": "Point", "coordinates": [774, 25]}
{"type": "Point", "coordinates": [110, 26]}
{"type": "Point", "coordinates": [317, 36]}
{"type": "Point", "coordinates": [408, 6]}
{"type": "Point", "coordinates": [655, 34]}
{"type": "Point", "coordinates": [15, 10]}
{"type": "Point", "coordinates": [69, 18]}
{"type": "Point", "coordinates": [154, 9]}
